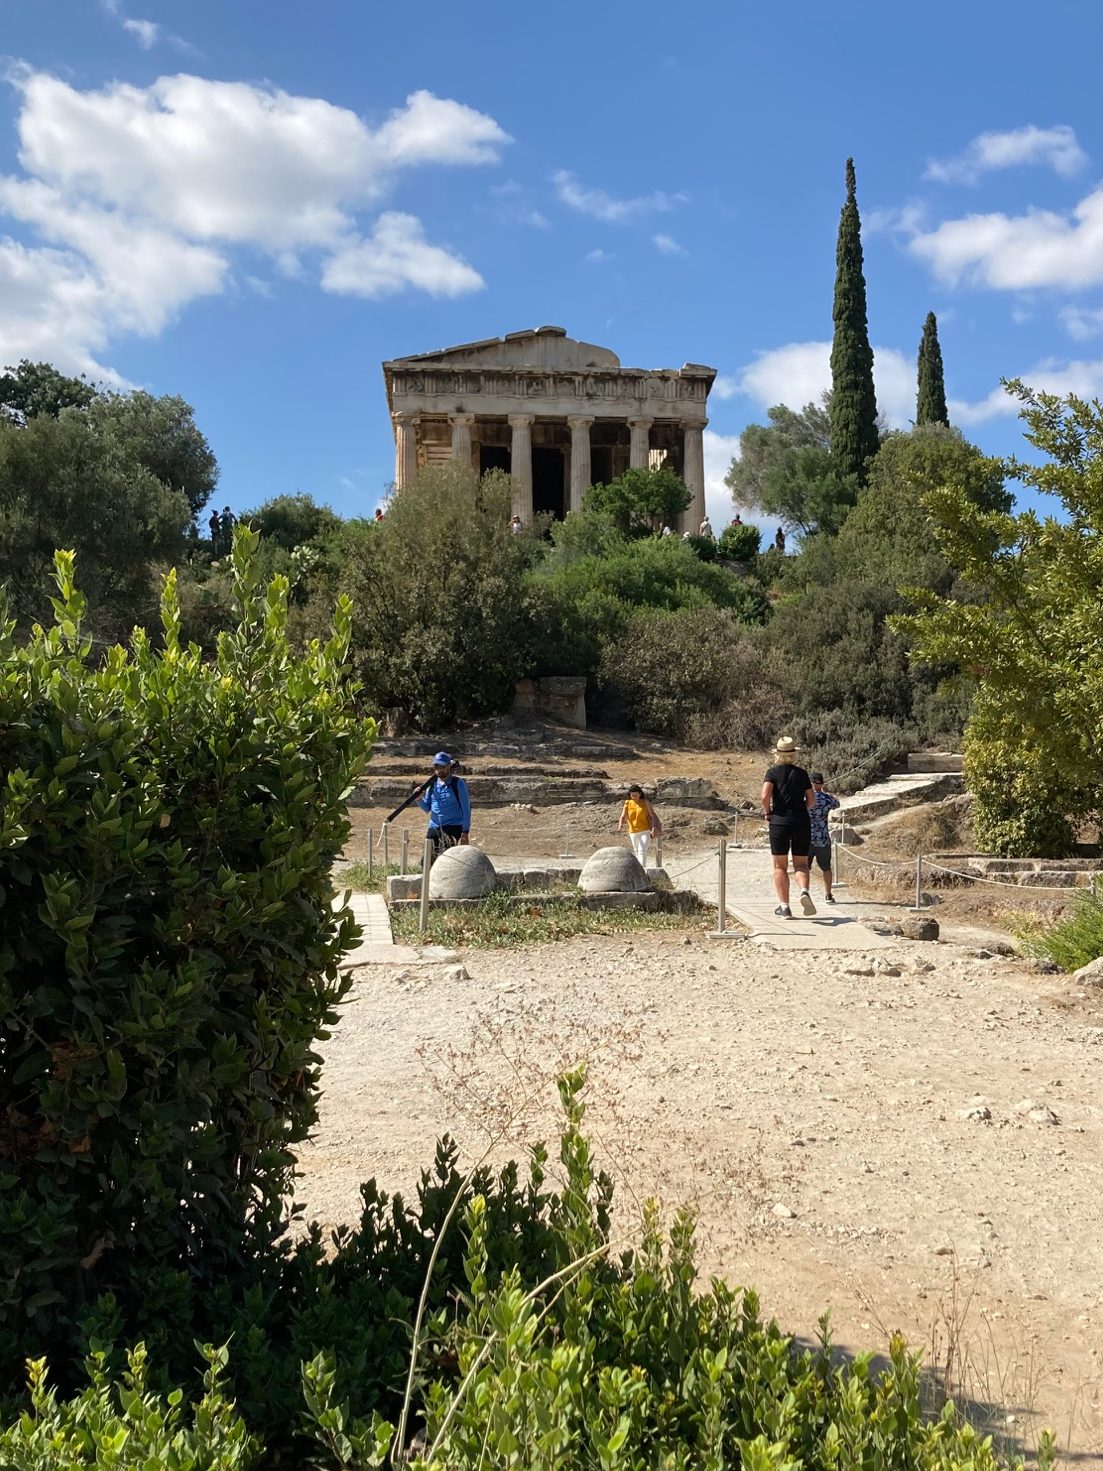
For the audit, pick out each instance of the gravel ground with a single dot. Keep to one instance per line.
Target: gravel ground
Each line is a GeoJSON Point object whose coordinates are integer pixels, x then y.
{"type": "Point", "coordinates": [921, 1151]}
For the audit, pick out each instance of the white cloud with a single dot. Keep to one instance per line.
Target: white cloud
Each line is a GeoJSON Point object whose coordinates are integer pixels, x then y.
{"type": "Point", "coordinates": [50, 307]}
{"type": "Point", "coordinates": [1083, 378]}
{"type": "Point", "coordinates": [599, 257]}
{"type": "Point", "coordinates": [603, 206]}
{"type": "Point", "coordinates": [1019, 252]}
{"type": "Point", "coordinates": [145, 32]}
{"type": "Point", "coordinates": [897, 219]}
{"type": "Point", "coordinates": [515, 207]}
{"type": "Point", "coordinates": [437, 130]}
{"type": "Point", "coordinates": [799, 373]}
{"type": "Point", "coordinates": [720, 450]}
{"type": "Point", "coordinates": [231, 161]}
{"type": "Point", "coordinates": [1054, 148]}
{"type": "Point", "coordinates": [725, 386]}
{"type": "Point", "coordinates": [147, 272]}
{"type": "Point", "coordinates": [1082, 322]}
{"type": "Point", "coordinates": [143, 194]}
{"type": "Point", "coordinates": [394, 256]}
{"type": "Point", "coordinates": [667, 245]}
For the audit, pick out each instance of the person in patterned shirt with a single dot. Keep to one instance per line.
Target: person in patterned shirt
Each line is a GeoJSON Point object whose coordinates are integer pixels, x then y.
{"type": "Point", "coordinates": [821, 836]}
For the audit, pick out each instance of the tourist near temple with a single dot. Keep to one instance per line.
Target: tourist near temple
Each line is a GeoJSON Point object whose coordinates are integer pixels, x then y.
{"type": "Point", "coordinates": [556, 414]}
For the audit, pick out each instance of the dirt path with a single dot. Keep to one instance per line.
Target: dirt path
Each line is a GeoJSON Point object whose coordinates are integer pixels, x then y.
{"type": "Point", "coordinates": [853, 1140]}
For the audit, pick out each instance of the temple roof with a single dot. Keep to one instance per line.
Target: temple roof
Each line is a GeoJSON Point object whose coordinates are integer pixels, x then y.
{"type": "Point", "coordinates": [541, 347]}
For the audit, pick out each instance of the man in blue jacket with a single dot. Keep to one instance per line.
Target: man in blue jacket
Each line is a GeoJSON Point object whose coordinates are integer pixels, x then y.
{"type": "Point", "coordinates": [449, 807]}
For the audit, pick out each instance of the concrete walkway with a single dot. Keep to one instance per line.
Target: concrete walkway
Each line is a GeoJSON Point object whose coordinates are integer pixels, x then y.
{"type": "Point", "coordinates": [750, 899]}
{"type": "Point", "coordinates": [377, 946]}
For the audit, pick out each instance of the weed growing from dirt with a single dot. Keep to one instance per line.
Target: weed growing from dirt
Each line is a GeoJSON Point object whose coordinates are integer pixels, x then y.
{"type": "Point", "coordinates": [499, 922]}
{"type": "Point", "coordinates": [362, 879]}
{"type": "Point", "coordinates": [1073, 941]}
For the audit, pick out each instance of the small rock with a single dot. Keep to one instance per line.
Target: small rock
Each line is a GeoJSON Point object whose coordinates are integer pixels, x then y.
{"type": "Point", "coordinates": [922, 967]}
{"type": "Point", "coordinates": [1036, 1113]}
{"type": "Point", "coordinates": [859, 970]}
{"type": "Point", "coordinates": [976, 1111]}
{"type": "Point", "coordinates": [783, 1212]}
{"type": "Point", "coordinates": [919, 927]}
{"type": "Point", "coordinates": [715, 827]}
{"type": "Point", "coordinates": [456, 973]}
{"type": "Point", "coordinates": [885, 968]}
{"type": "Point", "coordinates": [978, 953]}
{"type": "Point", "coordinates": [944, 1251]}
{"type": "Point", "coordinates": [1090, 974]}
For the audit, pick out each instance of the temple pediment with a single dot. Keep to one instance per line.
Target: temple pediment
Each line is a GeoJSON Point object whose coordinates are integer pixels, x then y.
{"type": "Point", "coordinates": [541, 347]}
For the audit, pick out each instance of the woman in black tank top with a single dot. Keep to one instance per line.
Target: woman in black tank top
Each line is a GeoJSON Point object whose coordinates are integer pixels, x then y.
{"type": "Point", "coordinates": [787, 796]}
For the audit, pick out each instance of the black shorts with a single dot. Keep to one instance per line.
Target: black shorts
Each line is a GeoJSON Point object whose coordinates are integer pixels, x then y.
{"type": "Point", "coordinates": [821, 852]}
{"type": "Point", "coordinates": [790, 835]}
{"type": "Point", "coordinates": [446, 836]}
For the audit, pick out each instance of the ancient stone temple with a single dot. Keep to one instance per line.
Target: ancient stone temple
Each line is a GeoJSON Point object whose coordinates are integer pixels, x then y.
{"type": "Point", "coordinates": [557, 414]}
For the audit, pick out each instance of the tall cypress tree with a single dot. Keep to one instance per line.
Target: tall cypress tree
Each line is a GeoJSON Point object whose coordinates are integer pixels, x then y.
{"type": "Point", "coordinates": [930, 403]}
{"type": "Point", "coordinates": [853, 400]}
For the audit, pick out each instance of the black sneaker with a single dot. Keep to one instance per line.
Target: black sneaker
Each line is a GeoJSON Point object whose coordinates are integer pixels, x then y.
{"type": "Point", "coordinates": [783, 912]}
{"type": "Point", "coordinates": [829, 898]}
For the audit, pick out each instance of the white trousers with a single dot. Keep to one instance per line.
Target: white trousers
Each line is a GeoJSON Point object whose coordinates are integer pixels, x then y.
{"type": "Point", "coordinates": [640, 843]}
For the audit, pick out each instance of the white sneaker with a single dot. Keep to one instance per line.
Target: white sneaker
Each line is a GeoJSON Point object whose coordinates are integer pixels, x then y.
{"type": "Point", "coordinates": [806, 905]}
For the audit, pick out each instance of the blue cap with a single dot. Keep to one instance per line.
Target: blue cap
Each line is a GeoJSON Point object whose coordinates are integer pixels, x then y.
{"type": "Point", "coordinates": [442, 758]}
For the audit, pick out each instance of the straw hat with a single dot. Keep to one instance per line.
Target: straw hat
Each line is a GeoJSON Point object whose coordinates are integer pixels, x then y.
{"type": "Point", "coordinates": [786, 746]}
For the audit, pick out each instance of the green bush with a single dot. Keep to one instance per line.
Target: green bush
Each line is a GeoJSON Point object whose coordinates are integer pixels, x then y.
{"type": "Point", "coordinates": [740, 543]}
{"type": "Point", "coordinates": [703, 547]}
{"type": "Point", "coordinates": [438, 588]}
{"type": "Point", "coordinates": [1020, 793]}
{"type": "Point", "coordinates": [537, 1347]}
{"type": "Point", "coordinates": [680, 673]}
{"type": "Point", "coordinates": [170, 950]}
{"type": "Point", "coordinates": [127, 1425]}
{"type": "Point", "coordinates": [851, 753]}
{"type": "Point", "coordinates": [640, 502]}
{"type": "Point", "coordinates": [1073, 941]}
{"type": "Point", "coordinates": [840, 653]}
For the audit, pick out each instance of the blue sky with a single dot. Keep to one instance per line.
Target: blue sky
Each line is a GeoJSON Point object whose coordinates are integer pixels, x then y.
{"type": "Point", "coordinates": [253, 204]}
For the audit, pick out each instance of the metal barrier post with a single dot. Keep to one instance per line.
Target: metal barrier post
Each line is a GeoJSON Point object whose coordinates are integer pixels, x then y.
{"type": "Point", "coordinates": [386, 847]}
{"type": "Point", "coordinates": [722, 889]}
{"type": "Point", "coordinates": [735, 829]}
{"type": "Point", "coordinates": [405, 849]}
{"type": "Point", "coordinates": [566, 853]}
{"type": "Point", "coordinates": [371, 857]}
{"type": "Point", "coordinates": [659, 851]}
{"type": "Point", "coordinates": [840, 844]}
{"type": "Point", "coordinates": [426, 865]}
{"type": "Point", "coordinates": [918, 881]}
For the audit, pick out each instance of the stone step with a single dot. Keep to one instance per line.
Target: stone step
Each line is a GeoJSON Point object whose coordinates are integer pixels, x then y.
{"type": "Point", "coordinates": [904, 789]}
{"type": "Point", "coordinates": [932, 761]}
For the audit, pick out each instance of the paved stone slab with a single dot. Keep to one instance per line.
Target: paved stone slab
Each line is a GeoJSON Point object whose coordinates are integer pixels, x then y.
{"type": "Point", "coordinates": [750, 900]}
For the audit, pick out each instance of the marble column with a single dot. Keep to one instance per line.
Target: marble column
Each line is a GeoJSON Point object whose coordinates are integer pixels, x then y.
{"type": "Point", "coordinates": [640, 452]}
{"type": "Point", "coordinates": [520, 465]}
{"type": "Point", "coordinates": [579, 425]}
{"type": "Point", "coordinates": [405, 449]}
{"type": "Point", "coordinates": [693, 472]}
{"type": "Point", "coordinates": [461, 437]}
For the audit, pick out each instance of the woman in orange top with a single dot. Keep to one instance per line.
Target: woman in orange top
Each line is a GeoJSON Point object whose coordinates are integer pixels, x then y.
{"type": "Point", "coordinates": [642, 822]}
